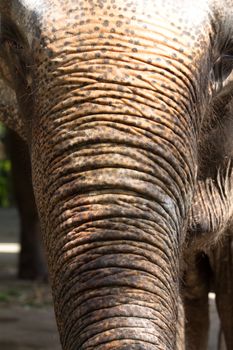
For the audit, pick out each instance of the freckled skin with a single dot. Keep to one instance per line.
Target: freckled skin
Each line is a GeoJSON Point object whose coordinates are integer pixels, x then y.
{"type": "Point", "coordinates": [112, 98]}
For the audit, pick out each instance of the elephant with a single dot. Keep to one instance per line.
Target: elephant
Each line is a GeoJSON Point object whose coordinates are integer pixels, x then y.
{"type": "Point", "coordinates": [115, 103]}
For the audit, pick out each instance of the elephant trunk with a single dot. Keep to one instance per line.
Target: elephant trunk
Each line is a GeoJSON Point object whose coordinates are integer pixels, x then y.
{"type": "Point", "coordinates": [116, 268]}
{"type": "Point", "coordinates": [114, 203]}
{"type": "Point", "coordinates": [113, 281]}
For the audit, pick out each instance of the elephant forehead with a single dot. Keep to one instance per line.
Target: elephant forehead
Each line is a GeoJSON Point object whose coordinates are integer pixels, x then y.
{"type": "Point", "coordinates": [141, 5]}
{"type": "Point", "coordinates": [186, 12]}
{"type": "Point", "coordinates": [180, 18]}
{"type": "Point", "coordinates": [53, 19]}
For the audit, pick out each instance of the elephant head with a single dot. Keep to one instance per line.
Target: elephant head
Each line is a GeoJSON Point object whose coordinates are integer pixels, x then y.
{"type": "Point", "coordinates": [112, 99]}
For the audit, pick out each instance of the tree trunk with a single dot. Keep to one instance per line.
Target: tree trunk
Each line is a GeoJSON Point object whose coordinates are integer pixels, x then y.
{"type": "Point", "coordinates": [31, 263]}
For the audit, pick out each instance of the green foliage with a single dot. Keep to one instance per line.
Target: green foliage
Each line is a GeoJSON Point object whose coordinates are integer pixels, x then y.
{"type": "Point", "coordinates": [5, 185]}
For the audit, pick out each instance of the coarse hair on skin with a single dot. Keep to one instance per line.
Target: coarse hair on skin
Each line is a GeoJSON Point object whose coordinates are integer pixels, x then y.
{"type": "Point", "coordinates": [215, 142]}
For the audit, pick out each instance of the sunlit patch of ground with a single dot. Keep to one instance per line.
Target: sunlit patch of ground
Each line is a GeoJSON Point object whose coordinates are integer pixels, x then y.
{"type": "Point", "coordinates": [9, 248]}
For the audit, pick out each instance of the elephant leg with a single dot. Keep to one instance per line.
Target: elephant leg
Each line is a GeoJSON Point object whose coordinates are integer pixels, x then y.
{"type": "Point", "coordinates": [180, 334]}
{"type": "Point", "coordinates": [222, 265]}
{"type": "Point", "coordinates": [31, 258]}
{"type": "Point", "coordinates": [196, 288]}
{"type": "Point", "coordinates": [221, 341]}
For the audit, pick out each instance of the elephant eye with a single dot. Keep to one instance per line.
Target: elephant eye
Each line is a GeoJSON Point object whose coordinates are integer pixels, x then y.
{"type": "Point", "coordinates": [13, 45]}
{"type": "Point", "coordinates": [11, 37]}
{"type": "Point", "coordinates": [223, 67]}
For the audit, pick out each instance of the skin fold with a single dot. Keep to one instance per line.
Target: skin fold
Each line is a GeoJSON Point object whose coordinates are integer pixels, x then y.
{"type": "Point", "coordinates": [9, 112]}
{"type": "Point", "coordinates": [114, 101]}
{"type": "Point", "coordinates": [210, 227]}
{"type": "Point", "coordinates": [212, 206]}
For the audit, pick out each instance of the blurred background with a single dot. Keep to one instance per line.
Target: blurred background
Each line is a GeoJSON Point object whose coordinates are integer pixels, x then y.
{"type": "Point", "coordinates": [26, 313]}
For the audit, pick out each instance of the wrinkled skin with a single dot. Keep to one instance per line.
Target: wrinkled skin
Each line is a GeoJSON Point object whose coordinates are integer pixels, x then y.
{"type": "Point", "coordinates": [209, 252]}
{"type": "Point", "coordinates": [112, 101]}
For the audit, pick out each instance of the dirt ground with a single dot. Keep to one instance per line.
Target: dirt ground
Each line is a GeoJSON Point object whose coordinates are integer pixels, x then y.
{"type": "Point", "coordinates": [26, 315]}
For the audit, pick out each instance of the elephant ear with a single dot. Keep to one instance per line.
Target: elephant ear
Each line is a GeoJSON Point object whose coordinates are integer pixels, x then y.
{"type": "Point", "coordinates": [212, 206]}
{"type": "Point", "coordinates": [6, 7]}
{"type": "Point", "coordinates": [13, 75]}
{"type": "Point", "coordinates": [9, 112]}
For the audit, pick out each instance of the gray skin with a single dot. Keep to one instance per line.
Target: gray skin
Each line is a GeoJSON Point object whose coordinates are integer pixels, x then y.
{"type": "Point", "coordinates": [209, 253]}
{"type": "Point", "coordinates": [112, 102]}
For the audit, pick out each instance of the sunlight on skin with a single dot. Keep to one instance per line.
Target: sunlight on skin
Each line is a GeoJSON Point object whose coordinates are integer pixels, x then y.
{"type": "Point", "coordinates": [195, 13]}
{"type": "Point", "coordinates": [33, 4]}
{"type": "Point", "coordinates": [38, 7]}
{"type": "Point", "coordinates": [9, 248]}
